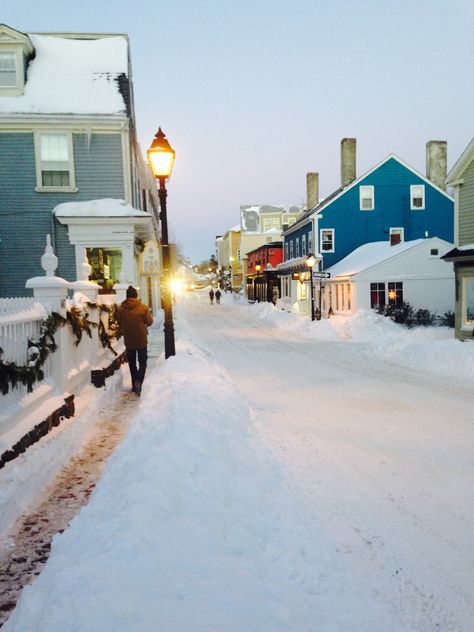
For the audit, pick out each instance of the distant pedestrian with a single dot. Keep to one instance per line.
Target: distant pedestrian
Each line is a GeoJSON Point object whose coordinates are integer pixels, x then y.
{"type": "Point", "coordinates": [135, 318]}
{"type": "Point", "coordinates": [211, 296]}
{"type": "Point", "coordinates": [218, 296]}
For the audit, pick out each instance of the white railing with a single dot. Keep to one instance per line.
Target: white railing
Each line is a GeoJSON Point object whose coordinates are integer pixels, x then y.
{"type": "Point", "coordinates": [65, 371]}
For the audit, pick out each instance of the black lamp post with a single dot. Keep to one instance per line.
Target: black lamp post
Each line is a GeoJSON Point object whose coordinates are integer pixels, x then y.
{"type": "Point", "coordinates": [310, 261]}
{"type": "Point", "coordinates": [161, 158]}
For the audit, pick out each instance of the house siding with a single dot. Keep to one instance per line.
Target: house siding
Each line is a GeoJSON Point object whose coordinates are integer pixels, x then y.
{"type": "Point", "coordinates": [391, 182]}
{"type": "Point", "coordinates": [26, 215]}
{"type": "Point", "coordinates": [466, 207]}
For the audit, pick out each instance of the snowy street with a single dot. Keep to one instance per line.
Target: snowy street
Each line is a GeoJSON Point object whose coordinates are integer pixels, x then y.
{"type": "Point", "coordinates": [278, 479]}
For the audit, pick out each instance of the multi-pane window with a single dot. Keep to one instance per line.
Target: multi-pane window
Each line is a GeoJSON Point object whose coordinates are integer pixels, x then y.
{"type": "Point", "coordinates": [303, 245]}
{"type": "Point", "coordinates": [271, 222]}
{"type": "Point", "coordinates": [395, 293]}
{"type": "Point", "coordinates": [291, 249]}
{"type": "Point", "coordinates": [7, 70]}
{"type": "Point", "coordinates": [366, 198]}
{"type": "Point", "coordinates": [310, 241]}
{"type": "Point", "coordinates": [54, 162]}
{"type": "Point", "coordinates": [297, 247]}
{"type": "Point", "coordinates": [377, 295]}
{"type": "Point", "coordinates": [54, 156]}
{"type": "Point", "coordinates": [286, 251]}
{"type": "Point", "coordinates": [327, 240]}
{"type": "Point", "coordinates": [417, 197]}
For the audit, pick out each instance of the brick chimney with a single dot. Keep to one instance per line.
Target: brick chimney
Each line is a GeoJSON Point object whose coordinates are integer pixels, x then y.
{"type": "Point", "coordinates": [312, 189]}
{"type": "Point", "coordinates": [437, 162]}
{"type": "Point", "coordinates": [348, 161]}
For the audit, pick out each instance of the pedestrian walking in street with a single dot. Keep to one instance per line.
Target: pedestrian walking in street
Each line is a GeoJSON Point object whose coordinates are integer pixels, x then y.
{"type": "Point", "coordinates": [218, 296]}
{"type": "Point", "coordinates": [135, 318]}
{"type": "Point", "coordinates": [211, 296]}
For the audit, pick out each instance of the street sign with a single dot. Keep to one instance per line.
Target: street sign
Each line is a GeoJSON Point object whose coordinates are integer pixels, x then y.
{"type": "Point", "coordinates": [321, 275]}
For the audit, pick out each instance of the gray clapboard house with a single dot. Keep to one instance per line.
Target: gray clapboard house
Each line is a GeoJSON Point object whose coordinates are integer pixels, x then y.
{"type": "Point", "coordinates": [461, 178]}
{"type": "Point", "coordinates": [68, 136]}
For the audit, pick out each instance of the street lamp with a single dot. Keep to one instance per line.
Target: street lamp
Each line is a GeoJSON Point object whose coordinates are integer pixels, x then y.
{"type": "Point", "coordinates": [258, 267]}
{"type": "Point", "coordinates": [310, 261]}
{"type": "Point", "coordinates": [161, 158]}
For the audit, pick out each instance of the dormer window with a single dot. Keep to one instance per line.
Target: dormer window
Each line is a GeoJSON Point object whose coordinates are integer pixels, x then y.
{"type": "Point", "coordinates": [16, 50]}
{"type": "Point", "coordinates": [7, 70]}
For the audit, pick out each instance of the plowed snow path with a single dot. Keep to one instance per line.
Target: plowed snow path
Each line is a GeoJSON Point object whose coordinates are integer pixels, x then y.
{"type": "Point", "coordinates": [62, 500]}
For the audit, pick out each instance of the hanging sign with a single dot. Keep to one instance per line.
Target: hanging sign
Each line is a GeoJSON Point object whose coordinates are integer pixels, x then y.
{"type": "Point", "coordinates": [149, 260]}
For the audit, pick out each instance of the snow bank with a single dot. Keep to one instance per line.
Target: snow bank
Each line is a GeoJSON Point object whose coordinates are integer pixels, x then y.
{"type": "Point", "coordinates": [190, 528]}
{"type": "Point", "coordinates": [431, 349]}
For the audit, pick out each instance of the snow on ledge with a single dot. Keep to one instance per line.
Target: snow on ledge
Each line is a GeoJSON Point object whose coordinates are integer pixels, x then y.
{"type": "Point", "coordinates": [106, 207]}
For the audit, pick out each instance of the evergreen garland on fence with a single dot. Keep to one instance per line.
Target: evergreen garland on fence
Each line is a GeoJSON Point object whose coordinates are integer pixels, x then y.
{"type": "Point", "coordinates": [12, 375]}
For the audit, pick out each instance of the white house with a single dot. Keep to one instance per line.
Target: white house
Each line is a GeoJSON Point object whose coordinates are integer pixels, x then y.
{"type": "Point", "coordinates": [377, 273]}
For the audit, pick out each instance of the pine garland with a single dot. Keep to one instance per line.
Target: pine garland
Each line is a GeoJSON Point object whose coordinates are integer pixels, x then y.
{"type": "Point", "coordinates": [12, 375]}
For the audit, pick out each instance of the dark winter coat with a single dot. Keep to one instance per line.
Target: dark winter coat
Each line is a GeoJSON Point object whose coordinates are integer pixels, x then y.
{"type": "Point", "coordinates": [134, 318]}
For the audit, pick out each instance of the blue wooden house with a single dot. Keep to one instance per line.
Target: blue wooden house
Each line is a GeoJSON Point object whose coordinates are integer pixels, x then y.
{"type": "Point", "coordinates": [68, 135]}
{"type": "Point", "coordinates": [391, 202]}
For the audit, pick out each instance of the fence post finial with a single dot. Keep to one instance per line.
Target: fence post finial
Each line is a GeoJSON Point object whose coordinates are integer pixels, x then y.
{"type": "Point", "coordinates": [49, 261]}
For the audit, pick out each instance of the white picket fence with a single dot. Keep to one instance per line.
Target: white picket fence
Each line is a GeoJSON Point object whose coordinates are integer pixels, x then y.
{"type": "Point", "coordinates": [65, 372]}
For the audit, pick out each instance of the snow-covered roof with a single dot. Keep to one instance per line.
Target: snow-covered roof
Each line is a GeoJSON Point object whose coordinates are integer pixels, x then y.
{"type": "Point", "coordinates": [462, 163]}
{"type": "Point", "coordinates": [370, 255]}
{"type": "Point", "coordinates": [72, 76]}
{"type": "Point", "coordinates": [107, 207]}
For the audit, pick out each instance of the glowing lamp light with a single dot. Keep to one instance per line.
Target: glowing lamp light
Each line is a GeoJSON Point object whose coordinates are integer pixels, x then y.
{"type": "Point", "coordinates": [258, 267]}
{"type": "Point", "coordinates": [161, 156]}
{"type": "Point", "coordinates": [176, 285]}
{"type": "Point", "coordinates": [310, 261]}
{"type": "Point", "coordinates": [392, 295]}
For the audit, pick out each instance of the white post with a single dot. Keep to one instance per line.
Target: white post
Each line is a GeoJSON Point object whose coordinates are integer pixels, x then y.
{"type": "Point", "coordinates": [51, 291]}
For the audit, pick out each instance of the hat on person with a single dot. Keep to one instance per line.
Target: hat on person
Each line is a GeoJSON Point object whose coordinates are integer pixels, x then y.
{"type": "Point", "coordinates": [131, 292]}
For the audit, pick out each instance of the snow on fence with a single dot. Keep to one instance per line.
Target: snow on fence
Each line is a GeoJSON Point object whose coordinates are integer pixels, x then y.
{"type": "Point", "coordinates": [66, 371]}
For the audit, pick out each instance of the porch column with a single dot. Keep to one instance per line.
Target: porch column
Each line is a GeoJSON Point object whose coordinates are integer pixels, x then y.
{"type": "Point", "coordinates": [127, 273]}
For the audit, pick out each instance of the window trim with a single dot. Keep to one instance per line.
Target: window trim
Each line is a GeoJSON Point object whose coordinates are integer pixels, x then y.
{"type": "Point", "coordinates": [397, 230]}
{"type": "Point", "coordinates": [333, 231]}
{"type": "Point", "coordinates": [40, 188]}
{"type": "Point", "coordinates": [465, 325]}
{"type": "Point", "coordinates": [366, 187]}
{"type": "Point", "coordinates": [412, 197]}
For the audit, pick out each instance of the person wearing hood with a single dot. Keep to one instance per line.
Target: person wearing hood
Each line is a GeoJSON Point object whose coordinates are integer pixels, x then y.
{"type": "Point", "coordinates": [135, 318]}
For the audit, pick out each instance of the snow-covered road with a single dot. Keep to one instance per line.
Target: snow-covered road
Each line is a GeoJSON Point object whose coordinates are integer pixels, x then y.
{"type": "Point", "coordinates": [277, 481]}
{"type": "Point", "coordinates": [380, 457]}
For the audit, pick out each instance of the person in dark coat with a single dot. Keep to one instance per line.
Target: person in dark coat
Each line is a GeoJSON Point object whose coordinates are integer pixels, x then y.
{"type": "Point", "coordinates": [211, 296]}
{"type": "Point", "coordinates": [135, 318]}
{"type": "Point", "coordinates": [218, 296]}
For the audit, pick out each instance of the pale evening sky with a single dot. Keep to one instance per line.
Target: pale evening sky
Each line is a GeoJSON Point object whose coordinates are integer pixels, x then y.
{"type": "Point", "coordinates": [252, 95]}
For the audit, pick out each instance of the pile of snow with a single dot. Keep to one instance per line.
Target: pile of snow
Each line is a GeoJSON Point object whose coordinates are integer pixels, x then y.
{"type": "Point", "coordinates": [432, 349]}
{"type": "Point", "coordinates": [190, 527]}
